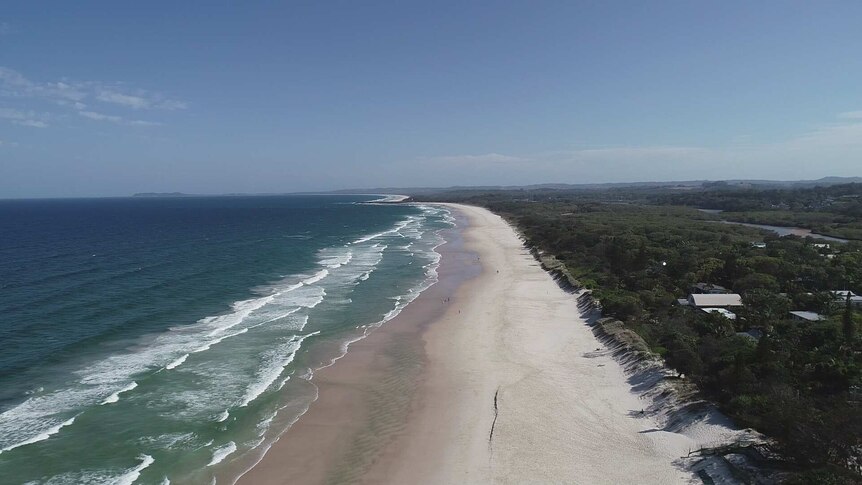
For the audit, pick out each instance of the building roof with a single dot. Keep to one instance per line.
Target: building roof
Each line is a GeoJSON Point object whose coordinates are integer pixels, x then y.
{"type": "Point", "coordinates": [706, 300]}
{"type": "Point", "coordinates": [809, 316]}
{"type": "Point", "coordinates": [721, 311]}
{"type": "Point", "coordinates": [841, 296]}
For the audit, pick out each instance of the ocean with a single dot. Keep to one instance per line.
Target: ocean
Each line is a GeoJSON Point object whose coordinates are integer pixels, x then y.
{"type": "Point", "coordinates": [171, 340]}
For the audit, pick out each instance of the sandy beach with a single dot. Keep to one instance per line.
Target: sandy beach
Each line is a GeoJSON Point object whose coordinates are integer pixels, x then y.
{"type": "Point", "coordinates": [491, 375]}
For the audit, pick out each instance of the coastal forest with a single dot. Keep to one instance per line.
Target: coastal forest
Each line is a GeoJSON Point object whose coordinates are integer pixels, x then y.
{"type": "Point", "coordinates": [641, 252]}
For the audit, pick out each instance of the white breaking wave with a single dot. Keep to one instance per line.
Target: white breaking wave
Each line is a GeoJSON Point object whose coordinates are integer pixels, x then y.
{"type": "Point", "coordinates": [209, 344]}
{"type": "Point", "coordinates": [99, 477]}
{"type": "Point", "coordinates": [41, 436]}
{"type": "Point", "coordinates": [177, 362]}
{"type": "Point", "coordinates": [275, 361]}
{"type": "Point", "coordinates": [336, 257]}
{"type": "Point", "coordinates": [241, 311]}
{"type": "Point", "coordinates": [116, 396]}
{"type": "Point", "coordinates": [394, 230]}
{"type": "Point", "coordinates": [387, 198]}
{"type": "Point", "coordinates": [317, 277]}
{"type": "Point", "coordinates": [222, 452]}
{"type": "Point", "coordinates": [130, 476]}
{"type": "Point", "coordinates": [283, 315]}
{"type": "Point", "coordinates": [282, 383]}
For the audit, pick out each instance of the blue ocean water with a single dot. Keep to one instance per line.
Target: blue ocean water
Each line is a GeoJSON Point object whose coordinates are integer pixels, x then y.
{"type": "Point", "coordinates": [157, 340]}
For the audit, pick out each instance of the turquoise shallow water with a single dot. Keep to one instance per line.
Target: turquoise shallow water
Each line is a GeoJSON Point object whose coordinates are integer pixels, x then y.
{"type": "Point", "coordinates": [154, 340]}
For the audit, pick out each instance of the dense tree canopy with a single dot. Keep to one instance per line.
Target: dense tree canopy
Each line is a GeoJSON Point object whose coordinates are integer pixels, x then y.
{"type": "Point", "coordinates": [797, 381]}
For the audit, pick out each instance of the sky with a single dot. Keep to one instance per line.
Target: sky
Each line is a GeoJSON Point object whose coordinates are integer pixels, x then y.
{"type": "Point", "coordinates": [113, 98]}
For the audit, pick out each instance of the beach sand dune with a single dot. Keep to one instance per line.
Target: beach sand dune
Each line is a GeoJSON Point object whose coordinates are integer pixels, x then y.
{"type": "Point", "coordinates": [505, 383]}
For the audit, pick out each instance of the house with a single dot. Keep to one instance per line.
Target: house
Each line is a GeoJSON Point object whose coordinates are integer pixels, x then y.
{"type": "Point", "coordinates": [821, 245]}
{"type": "Point", "coordinates": [715, 301]}
{"type": "Point", "coordinates": [802, 316]}
{"type": "Point", "coordinates": [721, 311]}
{"type": "Point", "coordinates": [708, 289]}
{"type": "Point", "coordinates": [841, 296]}
{"type": "Point", "coordinates": [759, 245]}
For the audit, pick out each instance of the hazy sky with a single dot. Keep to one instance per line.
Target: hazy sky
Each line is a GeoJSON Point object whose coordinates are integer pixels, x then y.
{"type": "Point", "coordinates": [111, 98]}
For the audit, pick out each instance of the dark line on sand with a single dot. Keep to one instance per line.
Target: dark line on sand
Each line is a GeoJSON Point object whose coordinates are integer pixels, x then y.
{"type": "Point", "coordinates": [494, 423]}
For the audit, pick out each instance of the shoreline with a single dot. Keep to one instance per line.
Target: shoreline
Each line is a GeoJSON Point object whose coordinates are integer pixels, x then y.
{"type": "Point", "coordinates": [504, 383]}
{"type": "Point", "coordinates": [383, 363]}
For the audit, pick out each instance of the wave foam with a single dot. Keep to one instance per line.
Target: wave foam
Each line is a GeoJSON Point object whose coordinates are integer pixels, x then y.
{"type": "Point", "coordinates": [130, 476]}
{"type": "Point", "coordinates": [336, 257]}
{"type": "Point", "coordinates": [222, 452]}
{"type": "Point", "coordinates": [275, 361]}
{"type": "Point", "coordinates": [177, 362]}
{"type": "Point", "coordinates": [400, 225]}
{"type": "Point", "coordinates": [317, 277]}
{"type": "Point", "coordinates": [41, 436]}
{"type": "Point", "coordinates": [116, 396]}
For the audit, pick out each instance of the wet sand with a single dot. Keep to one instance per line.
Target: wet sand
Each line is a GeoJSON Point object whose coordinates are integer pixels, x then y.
{"type": "Point", "coordinates": [365, 397]}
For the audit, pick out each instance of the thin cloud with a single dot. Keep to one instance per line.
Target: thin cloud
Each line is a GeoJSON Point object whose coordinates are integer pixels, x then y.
{"type": "Point", "coordinates": [851, 115]}
{"type": "Point", "coordinates": [65, 92]}
{"type": "Point", "coordinates": [143, 123]}
{"type": "Point", "coordinates": [135, 102]}
{"type": "Point", "coordinates": [25, 118]}
{"type": "Point", "coordinates": [79, 96]}
{"type": "Point", "coordinates": [100, 117]}
{"type": "Point", "coordinates": [139, 100]}
{"type": "Point", "coordinates": [14, 84]}
{"type": "Point", "coordinates": [32, 123]}
{"type": "Point", "coordinates": [115, 119]}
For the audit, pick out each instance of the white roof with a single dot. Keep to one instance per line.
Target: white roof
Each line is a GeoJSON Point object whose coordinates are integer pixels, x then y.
{"type": "Point", "coordinates": [810, 316]}
{"type": "Point", "coordinates": [721, 311]}
{"type": "Point", "coordinates": [730, 299]}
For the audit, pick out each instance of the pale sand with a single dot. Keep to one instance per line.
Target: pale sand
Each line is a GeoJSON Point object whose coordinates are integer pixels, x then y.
{"type": "Point", "coordinates": [565, 410]}
{"type": "Point", "coordinates": [566, 413]}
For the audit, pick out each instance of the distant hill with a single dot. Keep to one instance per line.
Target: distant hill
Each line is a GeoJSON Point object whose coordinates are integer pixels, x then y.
{"type": "Point", "coordinates": [162, 194]}
{"type": "Point", "coordinates": [685, 184]}
{"type": "Point", "coordinates": [681, 185]}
